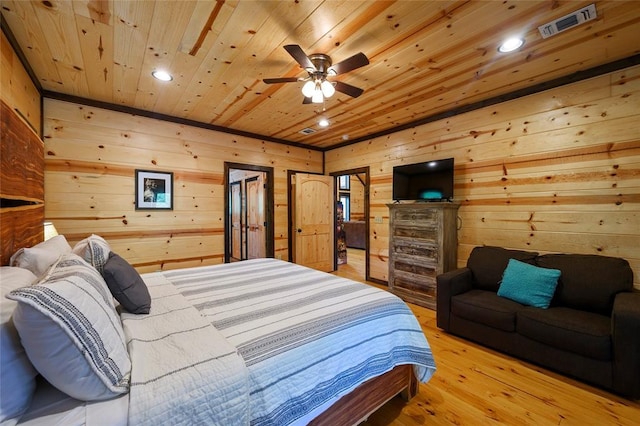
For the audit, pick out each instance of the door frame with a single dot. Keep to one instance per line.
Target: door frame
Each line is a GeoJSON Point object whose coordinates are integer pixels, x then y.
{"type": "Point", "coordinates": [367, 182]}
{"type": "Point", "coordinates": [269, 206]}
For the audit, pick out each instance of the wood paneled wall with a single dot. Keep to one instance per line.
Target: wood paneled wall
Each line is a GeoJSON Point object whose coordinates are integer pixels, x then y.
{"type": "Point", "coordinates": [21, 185]}
{"type": "Point", "coordinates": [21, 155]}
{"type": "Point", "coordinates": [558, 171]}
{"type": "Point", "coordinates": [356, 196]}
{"type": "Point", "coordinates": [90, 159]}
{"type": "Point", "coordinates": [16, 88]}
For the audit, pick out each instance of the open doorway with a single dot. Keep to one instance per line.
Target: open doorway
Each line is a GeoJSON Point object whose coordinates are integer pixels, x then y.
{"type": "Point", "coordinates": [352, 222]}
{"type": "Point", "coordinates": [249, 212]}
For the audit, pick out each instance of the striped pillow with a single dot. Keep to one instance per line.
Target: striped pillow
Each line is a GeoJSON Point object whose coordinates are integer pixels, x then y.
{"type": "Point", "coordinates": [71, 331]}
{"type": "Point", "coordinates": [94, 249]}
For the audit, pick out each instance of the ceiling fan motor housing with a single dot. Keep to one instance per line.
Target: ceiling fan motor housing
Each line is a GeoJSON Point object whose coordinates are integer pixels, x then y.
{"type": "Point", "coordinates": [322, 63]}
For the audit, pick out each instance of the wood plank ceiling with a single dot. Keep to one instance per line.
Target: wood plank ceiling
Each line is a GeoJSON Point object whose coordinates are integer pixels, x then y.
{"type": "Point", "coordinates": [426, 57]}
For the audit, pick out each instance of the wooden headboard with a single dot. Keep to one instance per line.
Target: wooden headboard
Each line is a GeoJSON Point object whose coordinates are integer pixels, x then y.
{"type": "Point", "coordinates": [21, 184]}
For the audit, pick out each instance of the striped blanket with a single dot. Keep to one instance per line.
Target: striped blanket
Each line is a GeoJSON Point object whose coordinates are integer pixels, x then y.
{"type": "Point", "coordinates": [306, 337]}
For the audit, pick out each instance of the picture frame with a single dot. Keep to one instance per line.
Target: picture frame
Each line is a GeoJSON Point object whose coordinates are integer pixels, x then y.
{"type": "Point", "coordinates": [154, 190]}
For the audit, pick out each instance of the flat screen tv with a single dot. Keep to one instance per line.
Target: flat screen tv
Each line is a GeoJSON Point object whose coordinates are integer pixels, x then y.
{"type": "Point", "coordinates": [428, 181]}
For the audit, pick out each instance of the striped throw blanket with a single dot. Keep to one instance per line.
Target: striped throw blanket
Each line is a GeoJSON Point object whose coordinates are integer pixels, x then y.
{"type": "Point", "coordinates": [307, 337]}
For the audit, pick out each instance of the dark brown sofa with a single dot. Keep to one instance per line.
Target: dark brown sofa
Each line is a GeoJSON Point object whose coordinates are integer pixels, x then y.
{"type": "Point", "coordinates": [591, 330]}
{"type": "Point", "coordinates": [355, 233]}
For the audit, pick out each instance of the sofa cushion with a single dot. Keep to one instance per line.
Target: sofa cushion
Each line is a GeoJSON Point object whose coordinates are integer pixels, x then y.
{"type": "Point", "coordinates": [584, 333]}
{"type": "Point", "coordinates": [487, 264]}
{"type": "Point", "coordinates": [486, 307]}
{"type": "Point", "coordinates": [588, 282]}
{"type": "Point", "coordinates": [529, 284]}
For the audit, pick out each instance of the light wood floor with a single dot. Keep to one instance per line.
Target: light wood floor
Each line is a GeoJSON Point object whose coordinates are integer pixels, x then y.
{"type": "Point", "coordinates": [474, 385]}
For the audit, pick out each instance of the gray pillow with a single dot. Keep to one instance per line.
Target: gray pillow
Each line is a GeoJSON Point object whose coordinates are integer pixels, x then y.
{"type": "Point", "coordinates": [126, 285]}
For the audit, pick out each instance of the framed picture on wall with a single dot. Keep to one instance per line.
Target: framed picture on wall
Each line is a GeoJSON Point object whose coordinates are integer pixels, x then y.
{"type": "Point", "coordinates": [154, 190]}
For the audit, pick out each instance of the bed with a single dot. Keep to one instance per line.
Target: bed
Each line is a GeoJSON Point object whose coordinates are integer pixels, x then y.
{"type": "Point", "coordinates": [261, 342]}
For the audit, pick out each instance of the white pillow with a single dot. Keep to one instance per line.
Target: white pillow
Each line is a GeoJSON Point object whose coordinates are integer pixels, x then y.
{"type": "Point", "coordinates": [39, 258]}
{"type": "Point", "coordinates": [17, 375]}
{"type": "Point", "coordinates": [94, 249]}
{"type": "Point", "coordinates": [71, 331]}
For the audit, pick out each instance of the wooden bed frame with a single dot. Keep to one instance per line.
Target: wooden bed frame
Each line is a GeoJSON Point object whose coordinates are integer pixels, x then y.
{"type": "Point", "coordinates": [358, 405]}
{"type": "Point", "coordinates": [21, 225]}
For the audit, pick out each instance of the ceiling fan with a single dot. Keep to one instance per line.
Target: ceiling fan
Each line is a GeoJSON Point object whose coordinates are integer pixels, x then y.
{"type": "Point", "coordinates": [320, 67]}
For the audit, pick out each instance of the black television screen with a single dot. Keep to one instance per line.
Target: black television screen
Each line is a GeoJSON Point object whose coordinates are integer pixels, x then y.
{"type": "Point", "coordinates": [428, 181]}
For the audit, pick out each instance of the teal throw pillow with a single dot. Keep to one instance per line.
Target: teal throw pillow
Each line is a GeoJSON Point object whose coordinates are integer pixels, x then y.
{"type": "Point", "coordinates": [529, 284]}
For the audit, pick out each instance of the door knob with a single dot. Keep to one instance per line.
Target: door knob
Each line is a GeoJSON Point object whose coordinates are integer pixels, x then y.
{"type": "Point", "coordinates": [299, 229]}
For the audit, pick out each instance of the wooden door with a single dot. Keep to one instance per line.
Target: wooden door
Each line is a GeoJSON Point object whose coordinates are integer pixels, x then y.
{"type": "Point", "coordinates": [236, 221]}
{"type": "Point", "coordinates": [255, 217]}
{"type": "Point", "coordinates": [313, 221]}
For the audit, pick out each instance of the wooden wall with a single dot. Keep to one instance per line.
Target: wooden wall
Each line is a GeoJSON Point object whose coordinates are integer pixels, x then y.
{"type": "Point", "coordinates": [558, 171]}
{"type": "Point", "coordinates": [21, 184]}
{"type": "Point", "coordinates": [91, 155]}
{"type": "Point", "coordinates": [16, 88]}
{"type": "Point", "coordinates": [21, 155]}
{"type": "Point", "coordinates": [356, 196]}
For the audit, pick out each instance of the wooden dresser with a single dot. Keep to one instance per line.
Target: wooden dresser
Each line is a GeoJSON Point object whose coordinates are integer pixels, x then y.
{"type": "Point", "coordinates": [422, 244]}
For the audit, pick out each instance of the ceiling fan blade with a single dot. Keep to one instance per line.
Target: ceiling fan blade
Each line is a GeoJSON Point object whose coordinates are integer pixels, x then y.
{"type": "Point", "coordinates": [306, 100]}
{"type": "Point", "coordinates": [356, 61]}
{"type": "Point", "coordinates": [280, 80]}
{"type": "Point", "coordinates": [298, 54]}
{"type": "Point", "coordinates": [348, 89]}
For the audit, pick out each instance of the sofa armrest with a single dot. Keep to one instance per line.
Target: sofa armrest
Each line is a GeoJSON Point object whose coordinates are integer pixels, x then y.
{"type": "Point", "coordinates": [448, 285]}
{"type": "Point", "coordinates": [625, 329]}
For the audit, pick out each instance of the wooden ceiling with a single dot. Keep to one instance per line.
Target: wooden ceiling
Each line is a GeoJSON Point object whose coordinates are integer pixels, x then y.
{"type": "Point", "coordinates": [426, 57]}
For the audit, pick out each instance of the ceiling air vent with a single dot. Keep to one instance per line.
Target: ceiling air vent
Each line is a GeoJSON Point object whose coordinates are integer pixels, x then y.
{"type": "Point", "coordinates": [578, 17]}
{"type": "Point", "coordinates": [307, 131]}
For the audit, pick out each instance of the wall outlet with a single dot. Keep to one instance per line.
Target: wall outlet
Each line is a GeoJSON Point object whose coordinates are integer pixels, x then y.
{"type": "Point", "coordinates": [377, 219]}
{"type": "Point", "coordinates": [279, 256]}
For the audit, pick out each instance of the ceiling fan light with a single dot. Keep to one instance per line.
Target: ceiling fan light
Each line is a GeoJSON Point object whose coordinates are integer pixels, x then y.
{"type": "Point", "coordinates": [327, 89]}
{"type": "Point", "coordinates": [317, 97]}
{"type": "Point", "coordinates": [308, 89]}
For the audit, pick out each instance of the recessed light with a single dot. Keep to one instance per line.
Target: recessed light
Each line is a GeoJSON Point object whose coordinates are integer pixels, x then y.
{"type": "Point", "coordinates": [323, 122]}
{"type": "Point", "coordinates": [511, 44]}
{"type": "Point", "coordinates": [162, 75]}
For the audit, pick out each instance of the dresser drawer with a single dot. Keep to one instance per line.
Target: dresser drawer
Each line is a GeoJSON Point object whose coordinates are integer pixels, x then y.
{"type": "Point", "coordinates": [412, 247]}
{"type": "Point", "coordinates": [410, 284]}
{"type": "Point", "coordinates": [419, 271]}
{"type": "Point", "coordinates": [416, 215]}
{"type": "Point", "coordinates": [416, 232]}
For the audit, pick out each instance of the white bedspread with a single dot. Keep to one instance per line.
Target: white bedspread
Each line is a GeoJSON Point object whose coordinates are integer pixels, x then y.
{"type": "Point", "coordinates": [307, 337]}
{"type": "Point", "coordinates": [184, 372]}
